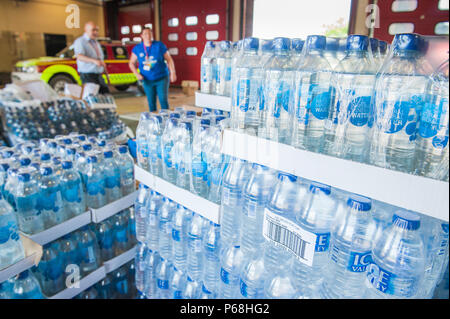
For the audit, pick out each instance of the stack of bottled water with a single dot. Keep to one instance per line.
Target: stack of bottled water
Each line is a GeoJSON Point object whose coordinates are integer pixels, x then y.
{"type": "Point", "coordinates": [74, 256]}
{"type": "Point", "coordinates": [347, 98]}
{"type": "Point", "coordinates": [58, 179]}
{"type": "Point", "coordinates": [33, 121]}
{"type": "Point", "coordinates": [184, 149]}
{"type": "Point", "coordinates": [285, 237]}
{"type": "Point", "coordinates": [215, 72]}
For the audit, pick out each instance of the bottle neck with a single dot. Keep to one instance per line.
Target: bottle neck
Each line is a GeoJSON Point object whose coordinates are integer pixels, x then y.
{"type": "Point", "coordinates": [406, 54]}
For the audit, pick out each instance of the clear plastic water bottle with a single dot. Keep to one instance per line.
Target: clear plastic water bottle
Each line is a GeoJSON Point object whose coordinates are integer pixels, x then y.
{"type": "Point", "coordinates": [139, 260]}
{"type": "Point", "coordinates": [151, 262]}
{"type": "Point", "coordinates": [177, 282]}
{"type": "Point", "coordinates": [126, 167]}
{"type": "Point", "coordinates": [374, 53]}
{"type": "Point", "coordinates": [278, 92]}
{"type": "Point", "coordinates": [104, 233]}
{"type": "Point", "coordinates": [280, 283]}
{"type": "Point", "coordinates": [50, 199]}
{"type": "Point", "coordinates": [431, 157]}
{"type": "Point", "coordinates": [26, 195]}
{"type": "Point", "coordinates": [331, 50]}
{"type": "Point", "coordinates": [230, 268]}
{"type": "Point", "coordinates": [208, 61]}
{"type": "Point", "coordinates": [296, 51]}
{"type": "Point", "coordinates": [212, 249]}
{"type": "Point", "coordinates": [8, 190]}
{"type": "Point", "coordinates": [141, 213]}
{"type": "Point", "coordinates": [120, 282]}
{"type": "Point", "coordinates": [153, 208]}
{"type": "Point", "coordinates": [111, 174]}
{"type": "Point", "coordinates": [155, 131]}
{"type": "Point", "coordinates": [162, 279]}
{"type": "Point", "coordinates": [179, 238]}
{"type": "Point", "coordinates": [26, 286]}
{"type": "Point", "coordinates": [191, 289]}
{"type": "Point", "coordinates": [283, 203]}
{"type": "Point", "coordinates": [217, 164]}
{"type": "Point", "coordinates": [199, 160]}
{"type": "Point", "coordinates": [11, 248]}
{"type": "Point", "coordinates": [400, 94]}
{"type": "Point", "coordinates": [168, 141]}
{"type": "Point", "coordinates": [182, 151]}
{"type": "Point", "coordinates": [252, 276]}
{"type": "Point", "coordinates": [105, 288]}
{"type": "Point", "coordinates": [316, 215]}
{"type": "Point", "coordinates": [51, 271]}
{"type": "Point", "coordinates": [142, 148]}
{"type": "Point", "coordinates": [6, 290]}
{"type": "Point", "coordinates": [72, 190]}
{"type": "Point", "coordinates": [435, 237]}
{"type": "Point", "coordinates": [350, 252]}
{"type": "Point", "coordinates": [223, 69]}
{"type": "Point", "coordinates": [398, 260]}
{"type": "Point", "coordinates": [247, 82]}
{"type": "Point", "coordinates": [350, 115]}
{"type": "Point", "coordinates": [257, 192]}
{"type": "Point", "coordinates": [95, 184]}
{"type": "Point", "coordinates": [121, 240]}
{"type": "Point", "coordinates": [89, 252]}
{"type": "Point", "coordinates": [234, 181]}
{"type": "Point", "coordinates": [165, 228]}
{"type": "Point", "coordinates": [312, 97]}
{"type": "Point", "coordinates": [195, 248]}
{"type": "Point", "coordinates": [70, 255]}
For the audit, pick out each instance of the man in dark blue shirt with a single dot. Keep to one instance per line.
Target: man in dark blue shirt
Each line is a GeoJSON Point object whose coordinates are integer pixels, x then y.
{"type": "Point", "coordinates": [151, 57]}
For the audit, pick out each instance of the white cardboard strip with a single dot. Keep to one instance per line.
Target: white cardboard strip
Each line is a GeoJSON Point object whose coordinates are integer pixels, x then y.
{"type": "Point", "coordinates": [416, 193]}
{"type": "Point", "coordinates": [120, 260]}
{"type": "Point", "coordinates": [17, 268]}
{"type": "Point", "coordinates": [62, 229]}
{"type": "Point", "coordinates": [84, 284]}
{"type": "Point", "coordinates": [100, 214]}
{"type": "Point", "coordinates": [213, 101]}
{"type": "Point", "coordinates": [183, 197]}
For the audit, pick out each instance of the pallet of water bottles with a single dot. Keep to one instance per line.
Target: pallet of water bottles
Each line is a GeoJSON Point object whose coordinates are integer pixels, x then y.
{"type": "Point", "coordinates": [281, 236]}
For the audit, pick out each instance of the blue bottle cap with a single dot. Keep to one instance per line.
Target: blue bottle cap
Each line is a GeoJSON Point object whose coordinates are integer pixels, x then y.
{"type": "Point", "coordinates": [52, 144]}
{"type": "Point", "coordinates": [67, 141]}
{"type": "Point", "coordinates": [373, 44]}
{"type": "Point", "coordinates": [360, 203]}
{"type": "Point", "coordinates": [407, 42]}
{"type": "Point", "coordinates": [218, 112]}
{"type": "Point", "coordinates": [220, 118]}
{"type": "Point", "coordinates": [316, 42]}
{"type": "Point", "coordinates": [87, 147]}
{"type": "Point", "coordinates": [383, 46]}
{"type": "Point", "coordinates": [406, 220]}
{"type": "Point", "coordinates": [206, 110]}
{"type": "Point", "coordinates": [291, 177]}
{"type": "Point", "coordinates": [267, 45]}
{"type": "Point", "coordinates": [45, 156]}
{"type": "Point", "coordinates": [81, 137]}
{"type": "Point", "coordinates": [357, 42]}
{"type": "Point", "coordinates": [210, 44]}
{"type": "Point", "coordinates": [71, 151]}
{"type": "Point", "coordinates": [297, 44]}
{"type": "Point", "coordinates": [174, 115]}
{"type": "Point", "coordinates": [67, 165]}
{"type": "Point", "coordinates": [205, 122]}
{"type": "Point", "coordinates": [315, 186]}
{"type": "Point", "coordinates": [251, 44]}
{"type": "Point", "coordinates": [5, 166]}
{"type": "Point", "coordinates": [25, 161]}
{"type": "Point", "coordinates": [281, 44]}
{"type": "Point", "coordinates": [174, 121]}
{"type": "Point", "coordinates": [24, 177]}
{"type": "Point", "coordinates": [108, 154]}
{"type": "Point", "coordinates": [101, 143]}
{"type": "Point", "coordinates": [225, 45]}
{"type": "Point", "coordinates": [332, 44]}
{"type": "Point", "coordinates": [92, 159]}
{"type": "Point", "coordinates": [123, 149]}
{"type": "Point", "coordinates": [56, 160]}
{"type": "Point", "coordinates": [46, 171]}
{"type": "Point", "coordinates": [191, 113]}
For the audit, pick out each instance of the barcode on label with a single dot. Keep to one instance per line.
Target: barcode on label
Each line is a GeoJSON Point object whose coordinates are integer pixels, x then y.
{"type": "Point", "coordinates": [286, 233]}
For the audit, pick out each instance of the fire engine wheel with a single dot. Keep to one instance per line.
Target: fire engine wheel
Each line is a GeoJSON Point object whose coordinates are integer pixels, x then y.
{"type": "Point", "coordinates": [58, 81]}
{"type": "Point", "coordinates": [122, 87]}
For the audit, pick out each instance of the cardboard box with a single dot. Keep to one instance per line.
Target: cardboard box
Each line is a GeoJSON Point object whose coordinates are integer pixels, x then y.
{"type": "Point", "coordinates": [189, 87]}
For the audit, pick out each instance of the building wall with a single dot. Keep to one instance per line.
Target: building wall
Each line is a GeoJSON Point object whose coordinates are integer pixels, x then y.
{"type": "Point", "coordinates": [23, 24]}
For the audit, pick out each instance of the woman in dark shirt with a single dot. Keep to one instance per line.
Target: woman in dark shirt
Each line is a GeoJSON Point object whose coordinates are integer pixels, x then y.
{"type": "Point", "coordinates": [151, 57]}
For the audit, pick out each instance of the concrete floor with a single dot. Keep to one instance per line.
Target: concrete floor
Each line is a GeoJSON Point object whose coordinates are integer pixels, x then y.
{"type": "Point", "coordinates": [132, 103]}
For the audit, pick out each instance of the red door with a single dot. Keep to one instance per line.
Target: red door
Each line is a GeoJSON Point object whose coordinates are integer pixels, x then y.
{"type": "Point", "coordinates": [185, 28]}
{"type": "Point", "coordinates": [131, 19]}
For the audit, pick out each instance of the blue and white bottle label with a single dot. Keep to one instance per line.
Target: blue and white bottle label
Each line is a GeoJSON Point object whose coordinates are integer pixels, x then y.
{"type": "Point", "coordinates": [358, 261]}
{"type": "Point", "coordinates": [249, 292]}
{"type": "Point", "coordinates": [163, 284]}
{"type": "Point", "coordinates": [7, 232]}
